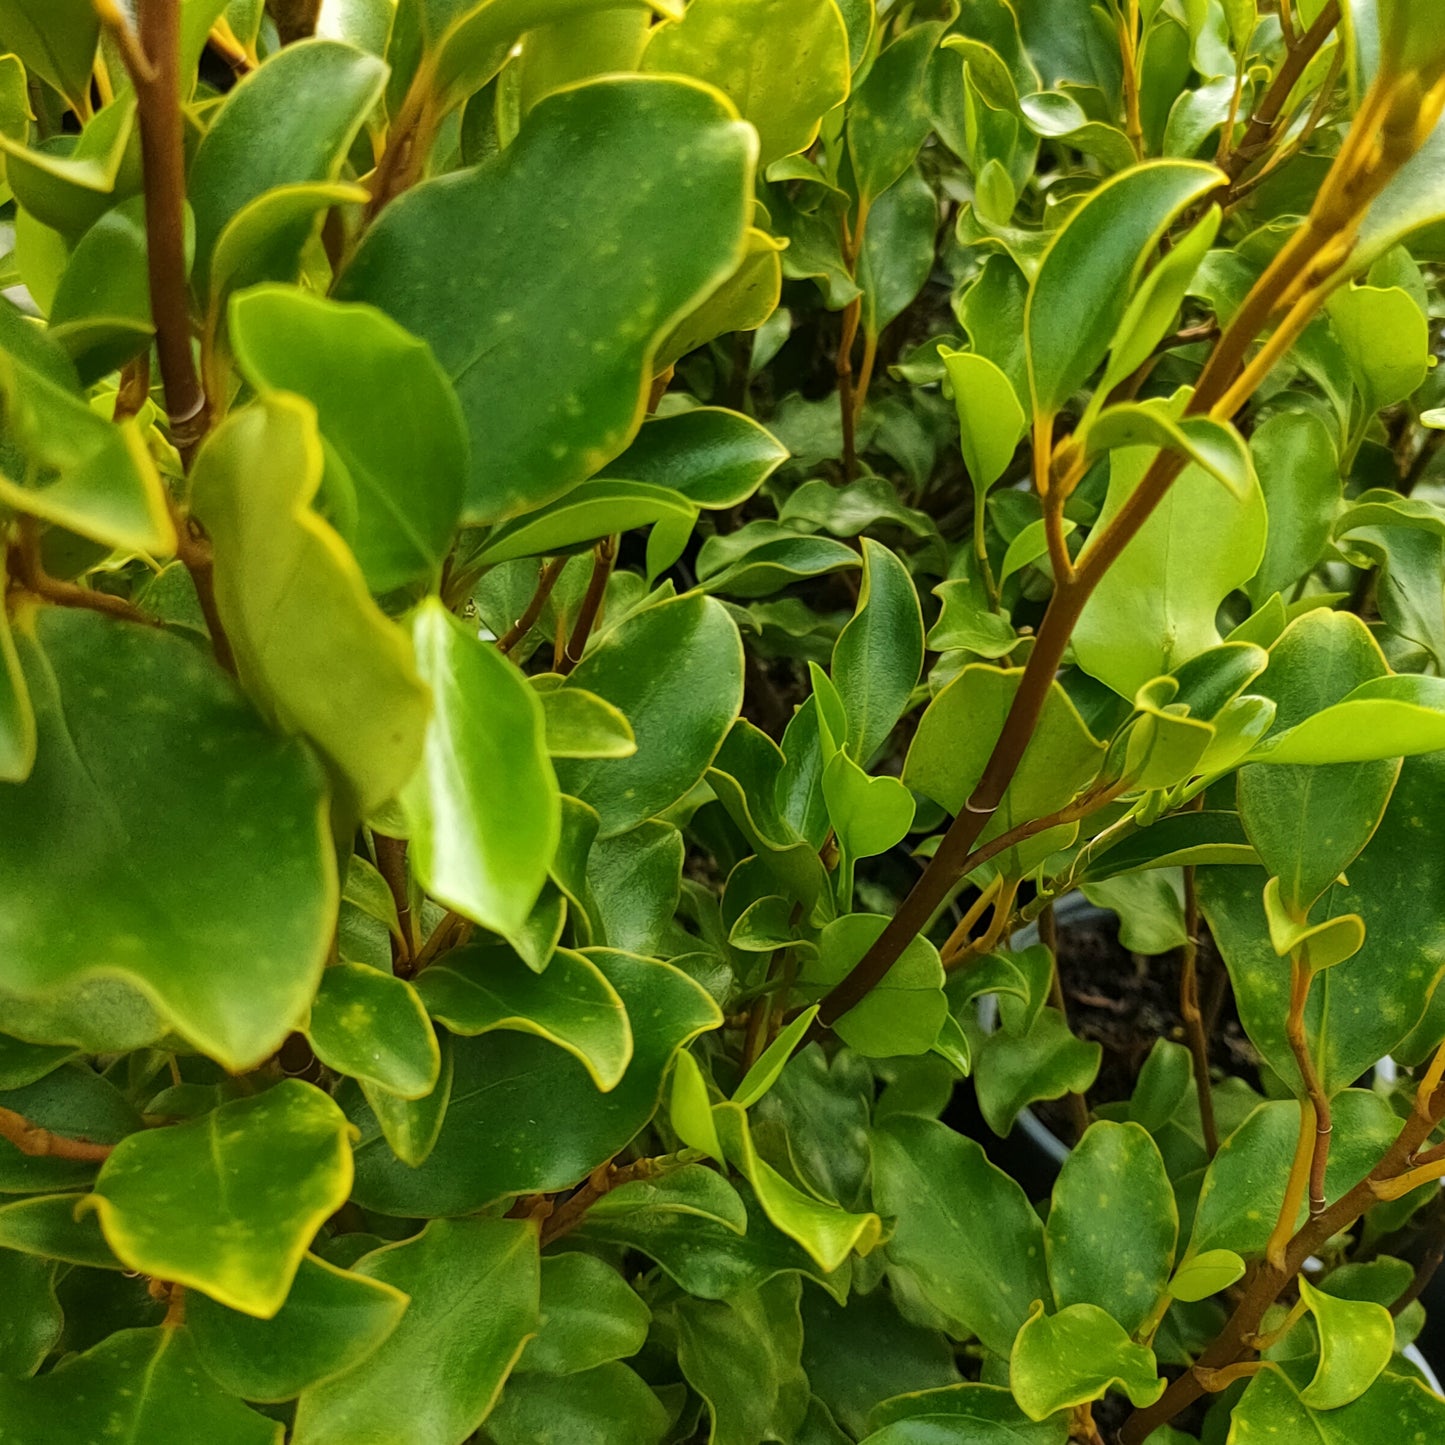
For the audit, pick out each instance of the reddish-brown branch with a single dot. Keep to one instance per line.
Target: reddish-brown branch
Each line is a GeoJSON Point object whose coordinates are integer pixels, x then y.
{"type": "Point", "coordinates": [28, 570]}
{"type": "Point", "coordinates": [525, 623]}
{"type": "Point", "coordinates": [42, 1143]}
{"type": "Point", "coordinates": [391, 864]}
{"type": "Point", "coordinates": [603, 558]}
{"type": "Point", "coordinates": [1193, 1016]}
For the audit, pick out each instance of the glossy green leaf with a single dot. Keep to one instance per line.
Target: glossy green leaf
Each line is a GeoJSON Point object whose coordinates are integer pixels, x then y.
{"type": "Point", "coordinates": [1395, 1408]}
{"type": "Point", "coordinates": [1113, 1225]}
{"type": "Point", "coordinates": [743, 1356]}
{"type": "Point", "coordinates": [646, 261]}
{"type": "Point", "coordinates": [477, 989]}
{"type": "Point", "coordinates": [474, 1288]}
{"type": "Point", "coordinates": [408, 463]}
{"type": "Point", "coordinates": [991, 420]}
{"type": "Point", "coordinates": [31, 1322]}
{"type": "Point", "coordinates": [636, 878]}
{"type": "Point", "coordinates": [735, 45]}
{"type": "Point", "coordinates": [1087, 278]}
{"type": "Point", "coordinates": [579, 724]}
{"type": "Point", "coordinates": [589, 511]}
{"type": "Point", "coordinates": [897, 255]}
{"type": "Point", "coordinates": [137, 1384]}
{"type": "Point", "coordinates": [1063, 1360]}
{"type": "Point", "coordinates": [1213, 446]}
{"type": "Point", "coordinates": [411, 1126]}
{"type": "Point", "coordinates": [879, 653]}
{"type": "Point", "coordinates": [68, 186]}
{"type": "Point", "coordinates": [674, 670]}
{"type": "Point", "coordinates": [903, 1013]}
{"type": "Point", "coordinates": [46, 1225]}
{"type": "Point", "coordinates": [590, 1315]}
{"type": "Point", "coordinates": [525, 1116]}
{"type": "Point", "coordinates": [963, 1227]}
{"type": "Point", "coordinates": [764, 557]}
{"type": "Point", "coordinates": [1309, 823]}
{"type": "Point", "coordinates": [1385, 716]}
{"type": "Point", "coordinates": [308, 639]}
{"type": "Point", "coordinates": [1385, 336]}
{"type": "Point", "coordinates": [609, 1404]}
{"type": "Point", "coordinates": [372, 1026]}
{"type": "Point", "coordinates": [289, 123]}
{"type": "Point", "coordinates": [771, 1062]}
{"type": "Point", "coordinates": [957, 733]}
{"type": "Point", "coordinates": [56, 39]}
{"type": "Point", "coordinates": [1357, 1341]}
{"type": "Point", "coordinates": [331, 1321]}
{"type": "Point", "coordinates": [171, 923]}
{"type": "Point", "coordinates": [888, 115]}
{"type": "Point", "coordinates": [234, 1234]}
{"type": "Point", "coordinates": [484, 810]}
{"type": "Point", "coordinates": [76, 469]}
{"type": "Point", "coordinates": [715, 458]}
{"type": "Point", "coordinates": [1209, 1272]}
{"type": "Point", "coordinates": [1155, 607]}
{"type": "Point", "coordinates": [578, 46]}
{"type": "Point", "coordinates": [1294, 457]}
{"type": "Point", "coordinates": [1047, 1062]}
{"type": "Point", "coordinates": [977, 1414]}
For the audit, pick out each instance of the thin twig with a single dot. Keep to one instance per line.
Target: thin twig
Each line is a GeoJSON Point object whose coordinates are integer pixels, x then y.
{"type": "Point", "coordinates": [603, 557]}
{"type": "Point", "coordinates": [28, 571]}
{"type": "Point", "coordinates": [391, 864]}
{"type": "Point", "coordinates": [1190, 1012]}
{"type": "Point", "coordinates": [546, 581]}
{"type": "Point", "coordinates": [41, 1143]}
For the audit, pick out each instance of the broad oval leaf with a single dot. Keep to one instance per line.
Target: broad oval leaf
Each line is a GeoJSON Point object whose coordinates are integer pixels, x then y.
{"type": "Point", "coordinates": [372, 1026]}
{"type": "Point", "coordinates": [1064, 1360]}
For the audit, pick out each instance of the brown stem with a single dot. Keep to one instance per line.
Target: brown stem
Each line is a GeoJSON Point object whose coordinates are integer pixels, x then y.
{"type": "Point", "coordinates": [157, 87]}
{"type": "Point", "coordinates": [42, 1143]}
{"type": "Point", "coordinates": [1190, 1012]}
{"type": "Point", "coordinates": [603, 1179]}
{"type": "Point", "coordinates": [409, 141]}
{"type": "Point", "coordinates": [524, 624]}
{"type": "Point", "coordinates": [391, 864]}
{"type": "Point", "coordinates": [1269, 1279]}
{"type": "Point", "coordinates": [451, 932]}
{"type": "Point", "coordinates": [28, 570]}
{"type": "Point", "coordinates": [175, 1305]}
{"type": "Point", "coordinates": [603, 558]}
{"type": "Point", "coordinates": [1300, 977]}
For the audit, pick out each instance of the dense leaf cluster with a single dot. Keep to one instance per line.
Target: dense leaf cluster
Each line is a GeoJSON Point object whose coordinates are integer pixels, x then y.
{"type": "Point", "coordinates": [576, 579]}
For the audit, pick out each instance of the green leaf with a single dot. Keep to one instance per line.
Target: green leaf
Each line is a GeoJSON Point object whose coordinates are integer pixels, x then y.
{"type": "Point", "coordinates": [331, 1321]}
{"type": "Point", "coordinates": [589, 511]}
{"type": "Point", "coordinates": [903, 1013]}
{"type": "Point", "coordinates": [411, 1126]}
{"type": "Point", "coordinates": [991, 421]}
{"type": "Point", "coordinates": [308, 638]}
{"type": "Point", "coordinates": [1068, 1359]}
{"type": "Point", "coordinates": [1357, 1341]}
{"type": "Point", "coordinates": [372, 1026]}
{"type": "Point", "coordinates": [609, 1404]}
{"type": "Point", "coordinates": [73, 1100]}
{"type": "Point", "coordinates": [368, 890]}
{"type": "Point", "coordinates": [137, 1384]}
{"type": "Point", "coordinates": [408, 463]}
{"type": "Point", "coordinates": [763, 557]}
{"type": "Point", "coordinates": [484, 810]}
{"type": "Point", "coordinates": [715, 458]}
{"type": "Point", "coordinates": [1309, 823]}
{"type": "Point", "coordinates": [1383, 717]}
{"type": "Point", "coordinates": [964, 1228]}
{"type": "Point", "coordinates": [879, 653]}
{"type": "Point", "coordinates": [68, 186]}
{"type": "Point", "coordinates": [46, 1225]}
{"type": "Point", "coordinates": [897, 254]}
{"type": "Point", "coordinates": [771, 1062]}
{"type": "Point", "coordinates": [525, 1116]}
{"type": "Point", "coordinates": [17, 717]}
{"type": "Point", "coordinates": [977, 1414]}
{"type": "Point", "coordinates": [1028, 547]}
{"type": "Point", "coordinates": [1088, 275]}
{"type": "Point", "coordinates": [1294, 457]}
{"type": "Point", "coordinates": [234, 1233]}
{"type": "Point", "coordinates": [1049, 1061]}
{"type": "Point", "coordinates": [1155, 607]}
{"type": "Point", "coordinates": [1150, 905]}
{"type": "Point", "coordinates": [636, 878]}
{"type": "Point", "coordinates": [1394, 1408]}
{"type": "Point", "coordinates": [888, 114]}
{"type": "Point", "coordinates": [56, 39]}
{"type": "Point", "coordinates": [1113, 1225]}
{"type": "Point", "coordinates": [1214, 446]}
{"type": "Point", "coordinates": [535, 228]}
{"type": "Point", "coordinates": [178, 924]}
{"type": "Point", "coordinates": [590, 1316]}
{"type": "Point", "coordinates": [474, 1288]}
{"type": "Point", "coordinates": [76, 469]}
{"type": "Point", "coordinates": [579, 724]}
{"type": "Point", "coordinates": [957, 733]}
{"type": "Point", "coordinates": [32, 1321]}
{"type": "Point", "coordinates": [1386, 338]}
{"type": "Point", "coordinates": [290, 122]}
{"type": "Point", "coordinates": [743, 1357]}
{"type": "Point", "coordinates": [689, 1108]}
{"type": "Point", "coordinates": [675, 671]}
{"type": "Point", "coordinates": [477, 989]}
{"type": "Point", "coordinates": [1154, 306]}
{"type": "Point", "coordinates": [1202, 1275]}
{"type": "Point", "coordinates": [735, 45]}
{"type": "Point", "coordinates": [966, 624]}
